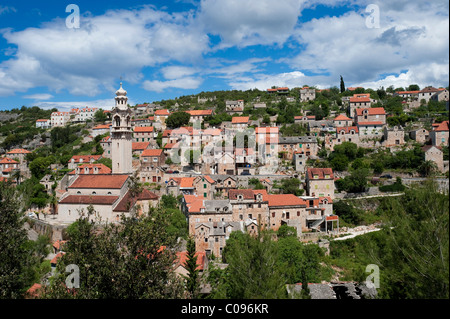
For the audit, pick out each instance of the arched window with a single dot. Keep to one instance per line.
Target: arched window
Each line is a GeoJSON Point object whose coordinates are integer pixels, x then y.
{"type": "Point", "coordinates": [117, 120]}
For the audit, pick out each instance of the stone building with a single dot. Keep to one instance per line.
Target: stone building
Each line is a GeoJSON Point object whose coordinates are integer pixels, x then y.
{"type": "Point", "coordinates": [320, 182]}
{"type": "Point", "coordinates": [394, 136]}
{"type": "Point", "coordinates": [434, 154]}
{"type": "Point", "coordinates": [420, 135]}
{"type": "Point", "coordinates": [439, 134]}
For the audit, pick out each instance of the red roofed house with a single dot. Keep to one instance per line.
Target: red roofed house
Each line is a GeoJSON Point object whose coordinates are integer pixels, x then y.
{"type": "Point", "coordinates": [248, 204]}
{"type": "Point", "coordinates": [43, 123]}
{"type": "Point", "coordinates": [199, 115]}
{"type": "Point", "coordinates": [347, 134]}
{"type": "Point", "coordinates": [160, 118]}
{"type": "Point", "coordinates": [359, 101]}
{"type": "Point", "coordinates": [151, 161]}
{"type": "Point", "coordinates": [82, 159]}
{"type": "Point", "coordinates": [342, 120]}
{"type": "Point", "coordinates": [138, 147]}
{"type": "Point", "coordinates": [439, 134]}
{"type": "Point", "coordinates": [109, 195]}
{"type": "Point", "coordinates": [59, 118]}
{"type": "Point", "coordinates": [101, 129]}
{"type": "Point", "coordinates": [240, 122]}
{"type": "Point", "coordinates": [143, 133]}
{"type": "Point", "coordinates": [91, 169]}
{"type": "Point", "coordinates": [7, 167]}
{"type": "Point", "coordinates": [320, 182]}
{"type": "Point", "coordinates": [286, 209]}
{"type": "Point", "coordinates": [370, 121]}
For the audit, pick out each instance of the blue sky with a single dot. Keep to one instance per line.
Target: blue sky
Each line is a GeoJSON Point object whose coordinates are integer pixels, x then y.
{"type": "Point", "coordinates": [164, 49]}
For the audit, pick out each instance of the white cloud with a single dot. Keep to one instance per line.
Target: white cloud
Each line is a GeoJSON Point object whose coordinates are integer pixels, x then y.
{"type": "Point", "coordinates": [87, 60]}
{"type": "Point", "coordinates": [39, 96]}
{"type": "Point", "coordinates": [248, 22]}
{"type": "Point", "coordinates": [176, 72]}
{"type": "Point", "coordinates": [266, 81]}
{"type": "Point", "coordinates": [7, 9]}
{"type": "Point", "coordinates": [182, 83]}
{"type": "Point", "coordinates": [106, 104]}
{"type": "Point", "coordinates": [413, 38]}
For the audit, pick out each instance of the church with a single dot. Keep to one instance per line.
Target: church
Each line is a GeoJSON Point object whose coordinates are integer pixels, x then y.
{"type": "Point", "coordinates": [109, 194]}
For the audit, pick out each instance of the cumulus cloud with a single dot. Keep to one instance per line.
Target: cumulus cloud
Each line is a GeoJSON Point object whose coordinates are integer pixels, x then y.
{"type": "Point", "coordinates": [87, 60]}
{"type": "Point", "coordinates": [246, 22]}
{"type": "Point", "coordinates": [265, 81]}
{"type": "Point", "coordinates": [41, 96]}
{"type": "Point", "coordinates": [409, 39]}
{"type": "Point", "coordinates": [182, 83]}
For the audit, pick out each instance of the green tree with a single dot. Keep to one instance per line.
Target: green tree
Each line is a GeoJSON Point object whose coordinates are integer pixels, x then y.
{"type": "Point", "coordinates": [130, 260]}
{"type": "Point", "coordinates": [291, 186]}
{"type": "Point", "coordinates": [178, 119]}
{"type": "Point", "coordinates": [342, 85]}
{"type": "Point", "coordinates": [252, 271]}
{"type": "Point", "coordinates": [14, 250]}
{"type": "Point", "coordinates": [192, 278]}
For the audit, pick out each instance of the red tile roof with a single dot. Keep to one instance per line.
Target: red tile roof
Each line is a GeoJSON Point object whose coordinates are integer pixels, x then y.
{"type": "Point", "coordinates": [7, 160]}
{"type": "Point", "coordinates": [143, 129]}
{"type": "Point", "coordinates": [199, 112]}
{"type": "Point", "coordinates": [342, 117]}
{"type": "Point", "coordinates": [441, 127]}
{"type": "Point", "coordinates": [164, 112]}
{"type": "Point", "coordinates": [246, 193]}
{"type": "Point", "coordinates": [101, 169]}
{"type": "Point", "coordinates": [321, 172]}
{"type": "Point", "coordinates": [187, 182]}
{"type": "Point", "coordinates": [172, 146]}
{"type": "Point", "coordinates": [42, 120]}
{"type": "Point", "coordinates": [102, 127]}
{"type": "Point", "coordinates": [370, 123]}
{"type": "Point", "coordinates": [19, 151]}
{"type": "Point", "coordinates": [135, 146]}
{"type": "Point", "coordinates": [128, 201]}
{"type": "Point", "coordinates": [371, 111]}
{"type": "Point", "coordinates": [240, 119]}
{"type": "Point", "coordinates": [100, 181]}
{"type": "Point", "coordinates": [152, 152]}
{"type": "Point", "coordinates": [89, 199]}
{"type": "Point", "coordinates": [84, 158]}
{"type": "Point", "coordinates": [285, 200]}
{"type": "Point", "coordinates": [347, 129]}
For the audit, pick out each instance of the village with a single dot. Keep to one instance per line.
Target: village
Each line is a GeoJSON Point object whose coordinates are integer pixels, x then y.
{"type": "Point", "coordinates": [228, 177]}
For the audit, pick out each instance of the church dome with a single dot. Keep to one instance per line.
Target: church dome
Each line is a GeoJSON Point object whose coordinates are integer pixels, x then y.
{"type": "Point", "coordinates": [121, 91]}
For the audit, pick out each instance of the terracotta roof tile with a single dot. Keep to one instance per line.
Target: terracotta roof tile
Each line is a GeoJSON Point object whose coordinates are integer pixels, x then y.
{"type": "Point", "coordinates": [140, 145]}
{"type": "Point", "coordinates": [100, 181]}
{"type": "Point", "coordinates": [240, 119]}
{"type": "Point", "coordinates": [285, 200]}
{"type": "Point", "coordinates": [321, 172]}
{"type": "Point", "coordinates": [152, 152]}
{"type": "Point", "coordinates": [19, 151]}
{"type": "Point", "coordinates": [143, 129]}
{"type": "Point", "coordinates": [89, 199]}
{"type": "Point", "coordinates": [127, 202]}
{"type": "Point", "coordinates": [371, 111]}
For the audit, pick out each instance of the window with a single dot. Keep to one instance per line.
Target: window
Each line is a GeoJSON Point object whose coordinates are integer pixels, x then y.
{"type": "Point", "coordinates": [205, 195]}
{"type": "Point", "coordinates": [287, 215]}
{"type": "Point", "coordinates": [217, 239]}
{"type": "Point", "coordinates": [241, 217]}
{"type": "Point", "coordinates": [298, 213]}
{"type": "Point", "coordinates": [204, 185]}
{"type": "Point", "coordinates": [206, 240]}
{"type": "Point", "coordinates": [250, 216]}
{"type": "Point", "coordinates": [273, 215]}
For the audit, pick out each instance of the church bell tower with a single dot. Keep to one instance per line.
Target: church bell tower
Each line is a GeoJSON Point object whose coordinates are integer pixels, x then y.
{"type": "Point", "coordinates": [121, 134]}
